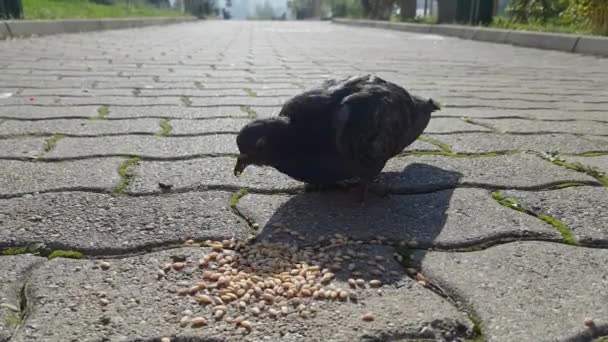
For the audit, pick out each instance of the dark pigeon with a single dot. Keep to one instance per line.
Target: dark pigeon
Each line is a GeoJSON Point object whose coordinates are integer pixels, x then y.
{"type": "Point", "coordinates": [341, 130]}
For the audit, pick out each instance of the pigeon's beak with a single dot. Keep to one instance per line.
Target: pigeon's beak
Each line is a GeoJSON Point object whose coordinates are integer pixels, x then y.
{"type": "Point", "coordinates": [241, 164]}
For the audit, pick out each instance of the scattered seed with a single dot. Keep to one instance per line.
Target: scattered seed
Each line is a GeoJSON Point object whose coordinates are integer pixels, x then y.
{"type": "Point", "coordinates": [184, 321]}
{"type": "Point", "coordinates": [204, 299]}
{"type": "Point", "coordinates": [360, 282]}
{"type": "Point", "coordinates": [375, 283]}
{"type": "Point", "coordinates": [219, 314]}
{"type": "Point", "coordinates": [589, 322]}
{"type": "Point", "coordinates": [165, 339]}
{"type": "Point", "coordinates": [273, 312]}
{"type": "Point", "coordinates": [198, 322]}
{"type": "Point", "coordinates": [420, 277]}
{"type": "Point", "coordinates": [246, 325]}
{"type": "Point", "coordinates": [368, 317]}
{"type": "Point", "coordinates": [104, 265]}
{"type": "Point", "coordinates": [178, 266]}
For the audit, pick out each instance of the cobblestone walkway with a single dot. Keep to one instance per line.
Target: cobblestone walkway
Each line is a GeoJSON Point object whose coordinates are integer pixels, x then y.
{"type": "Point", "coordinates": [120, 145]}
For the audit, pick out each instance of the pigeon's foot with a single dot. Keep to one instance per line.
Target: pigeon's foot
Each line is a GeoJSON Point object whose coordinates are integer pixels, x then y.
{"type": "Point", "coordinates": [377, 188]}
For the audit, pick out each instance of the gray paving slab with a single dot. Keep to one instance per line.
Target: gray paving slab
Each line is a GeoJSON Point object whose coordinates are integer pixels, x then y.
{"type": "Point", "coordinates": [448, 125]}
{"type": "Point", "coordinates": [20, 177]}
{"type": "Point", "coordinates": [541, 114]}
{"type": "Point", "coordinates": [126, 301]}
{"type": "Point", "coordinates": [40, 112]}
{"type": "Point", "coordinates": [528, 291]}
{"type": "Point", "coordinates": [521, 170]}
{"type": "Point", "coordinates": [103, 224]}
{"type": "Point", "coordinates": [15, 271]}
{"type": "Point", "coordinates": [492, 142]}
{"type": "Point", "coordinates": [454, 218]}
{"type": "Point", "coordinates": [528, 126]}
{"type": "Point", "coordinates": [24, 147]}
{"type": "Point", "coordinates": [98, 100]}
{"type": "Point", "coordinates": [207, 126]}
{"type": "Point", "coordinates": [205, 172]}
{"type": "Point", "coordinates": [583, 209]}
{"type": "Point", "coordinates": [176, 112]}
{"type": "Point", "coordinates": [79, 127]}
{"type": "Point", "coordinates": [143, 146]}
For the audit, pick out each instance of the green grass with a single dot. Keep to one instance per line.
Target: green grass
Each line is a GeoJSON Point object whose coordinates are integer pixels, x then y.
{"type": "Point", "coordinates": [234, 199]}
{"type": "Point", "coordinates": [165, 128]}
{"type": "Point", "coordinates": [562, 228]}
{"type": "Point", "coordinates": [14, 251]}
{"type": "Point", "coordinates": [126, 174]}
{"type": "Point", "coordinates": [551, 26]}
{"type": "Point", "coordinates": [250, 92]}
{"type": "Point", "coordinates": [250, 112]}
{"type": "Point", "coordinates": [102, 112]}
{"type": "Point", "coordinates": [65, 254]}
{"type": "Point", "coordinates": [50, 143]}
{"type": "Point", "coordinates": [65, 9]}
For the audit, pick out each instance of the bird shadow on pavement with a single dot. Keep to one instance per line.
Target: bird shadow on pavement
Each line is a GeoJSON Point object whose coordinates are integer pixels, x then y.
{"type": "Point", "coordinates": [315, 218]}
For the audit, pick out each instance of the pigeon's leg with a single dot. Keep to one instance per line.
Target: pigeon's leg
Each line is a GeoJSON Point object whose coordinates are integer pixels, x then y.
{"type": "Point", "coordinates": [377, 188]}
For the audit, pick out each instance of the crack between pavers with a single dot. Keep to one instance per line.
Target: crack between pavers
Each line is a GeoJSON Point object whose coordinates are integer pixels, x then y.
{"type": "Point", "coordinates": [126, 173]}
{"type": "Point", "coordinates": [13, 118]}
{"type": "Point", "coordinates": [521, 108]}
{"type": "Point", "coordinates": [471, 121]}
{"type": "Point", "coordinates": [563, 229]}
{"type": "Point", "coordinates": [147, 105]}
{"type": "Point", "coordinates": [590, 171]}
{"type": "Point", "coordinates": [294, 190]}
{"type": "Point", "coordinates": [24, 303]}
{"type": "Point", "coordinates": [166, 131]}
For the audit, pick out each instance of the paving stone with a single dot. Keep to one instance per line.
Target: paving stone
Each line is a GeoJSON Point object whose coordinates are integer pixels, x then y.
{"type": "Point", "coordinates": [15, 270]}
{"type": "Point", "coordinates": [447, 125]}
{"type": "Point", "coordinates": [204, 172]}
{"type": "Point", "coordinates": [238, 101]}
{"type": "Point", "coordinates": [528, 126]}
{"type": "Point", "coordinates": [175, 112]}
{"type": "Point", "coordinates": [459, 217]}
{"type": "Point", "coordinates": [23, 147]}
{"type": "Point", "coordinates": [79, 127]}
{"type": "Point", "coordinates": [69, 295]}
{"type": "Point", "coordinates": [30, 176]}
{"type": "Point", "coordinates": [599, 163]}
{"type": "Point", "coordinates": [206, 126]}
{"type": "Point", "coordinates": [524, 171]}
{"type": "Point", "coordinates": [40, 112]}
{"type": "Point", "coordinates": [541, 114]}
{"type": "Point", "coordinates": [528, 291]}
{"type": "Point", "coordinates": [491, 142]}
{"type": "Point", "coordinates": [583, 209]}
{"type": "Point", "coordinates": [103, 224]}
{"type": "Point", "coordinates": [143, 146]}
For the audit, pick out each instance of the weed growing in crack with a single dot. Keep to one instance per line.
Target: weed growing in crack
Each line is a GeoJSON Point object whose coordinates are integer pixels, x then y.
{"type": "Point", "coordinates": [126, 174]}
{"type": "Point", "coordinates": [557, 160]}
{"type": "Point", "coordinates": [65, 254]}
{"type": "Point", "coordinates": [234, 199]}
{"type": "Point", "coordinates": [250, 92]}
{"type": "Point", "coordinates": [186, 101]}
{"type": "Point", "coordinates": [249, 111]}
{"type": "Point", "coordinates": [165, 128]}
{"type": "Point", "coordinates": [564, 230]}
{"type": "Point", "coordinates": [477, 335]}
{"type": "Point", "coordinates": [561, 227]}
{"type": "Point", "coordinates": [14, 251]}
{"type": "Point", "coordinates": [444, 147]}
{"type": "Point", "coordinates": [52, 141]}
{"type": "Point", "coordinates": [102, 112]}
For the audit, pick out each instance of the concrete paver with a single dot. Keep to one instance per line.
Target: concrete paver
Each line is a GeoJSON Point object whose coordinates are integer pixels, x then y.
{"type": "Point", "coordinates": [528, 290]}
{"type": "Point", "coordinates": [205, 80]}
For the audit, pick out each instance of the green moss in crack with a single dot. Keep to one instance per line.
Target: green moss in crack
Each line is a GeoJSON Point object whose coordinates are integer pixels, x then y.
{"type": "Point", "coordinates": [593, 154]}
{"type": "Point", "coordinates": [126, 174]}
{"type": "Point", "coordinates": [444, 147]}
{"type": "Point", "coordinates": [566, 185]}
{"type": "Point", "coordinates": [234, 199]}
{"type": "Point", "coordinates": [12, 318]}
{"type": "Point", "coordinates": [165, 128]}
{"type": "Point", "coordinates": [507, 202]}
{"type": "Point", "coordinates": [566, 232]}
{"type": "Point", "coordinates": [65, 254]}
{"type": "Point", "coordinates": [477, 336]}
{"type": "Point", "coordinates": [50, 143]}
{"type": "Point", "coordinates": [14, 251]}
{"type": "Point", "coordinates": [250, 92]}
{"type": "Point", "coordinates": [600, 176]}
{"type": "Point", "coordinates": [186, 101]}
{"type": "Point", "coordinates": [249, 111]}
{"type": "Point", "coordinates": [102, 112]}
{"type": "Point", "coordinates": [601, 339]}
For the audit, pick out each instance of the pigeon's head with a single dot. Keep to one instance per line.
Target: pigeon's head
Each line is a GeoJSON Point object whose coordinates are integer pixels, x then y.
{"type": "Point", "coordinates": [257, 142]}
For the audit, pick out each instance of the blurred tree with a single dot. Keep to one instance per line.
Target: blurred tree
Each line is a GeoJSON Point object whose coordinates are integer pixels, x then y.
{"type": "Point", "coordinates": [408, 9]}
{"type": "Point", "coordinates": [378, 9]}
{"type": "Point", "coordinates": [264, 12]}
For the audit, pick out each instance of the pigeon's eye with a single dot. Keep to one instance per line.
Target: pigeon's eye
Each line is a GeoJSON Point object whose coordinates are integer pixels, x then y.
{"type": "Point", "coordinates": [260, 143]}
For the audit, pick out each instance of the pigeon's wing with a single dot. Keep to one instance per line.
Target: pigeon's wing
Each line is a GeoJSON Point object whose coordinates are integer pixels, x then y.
{"type": "Point", "coordinates": [369, 127]}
